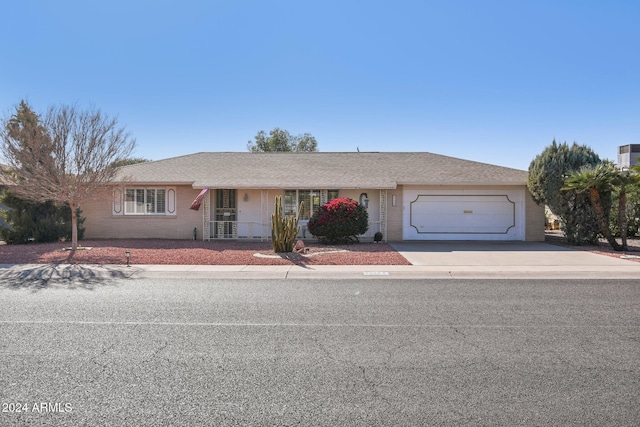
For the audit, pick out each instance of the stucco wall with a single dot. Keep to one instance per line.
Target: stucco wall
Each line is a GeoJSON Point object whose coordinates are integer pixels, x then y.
{"type": "Point", "coordinates": [394, 215]}
{"type": "Point", "coordinates": [249, 205]}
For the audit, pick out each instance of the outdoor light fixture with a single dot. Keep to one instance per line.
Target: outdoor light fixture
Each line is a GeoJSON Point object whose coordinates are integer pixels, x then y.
{"type": "Point", "coordinates": [128, 255]}
{"type": "Point", "coordinates": [364, 200]}
{"type": "Point", "coordinates": [246, 197]}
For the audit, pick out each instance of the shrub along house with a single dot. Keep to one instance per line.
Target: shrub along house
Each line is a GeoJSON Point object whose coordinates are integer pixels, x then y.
{"type": "Point", "coordinates": [409, 196]}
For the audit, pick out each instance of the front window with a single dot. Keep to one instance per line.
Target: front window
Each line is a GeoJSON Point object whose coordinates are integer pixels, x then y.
{"type": "Point", "coordinates": [145, 201]}
{"type": "Point", "coordinates": [292, 199]}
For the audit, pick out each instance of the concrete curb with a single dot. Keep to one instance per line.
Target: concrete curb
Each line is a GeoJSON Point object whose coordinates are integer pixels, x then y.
{"type": "Point", "coordinates": [77, 272]}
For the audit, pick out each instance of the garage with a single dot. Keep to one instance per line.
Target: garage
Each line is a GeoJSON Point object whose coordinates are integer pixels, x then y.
{"type": "Point", "coordinates": [454, 214]}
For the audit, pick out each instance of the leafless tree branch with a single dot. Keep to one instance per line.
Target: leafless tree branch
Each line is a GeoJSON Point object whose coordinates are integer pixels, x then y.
{"type": "Point", "coordinates": [63, 157]}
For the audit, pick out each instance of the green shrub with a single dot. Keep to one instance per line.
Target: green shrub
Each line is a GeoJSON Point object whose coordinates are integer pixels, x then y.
{"type": "Point", "coordinates": [36, 222]}
{"type": "Point", "coordinates": [339, 221]}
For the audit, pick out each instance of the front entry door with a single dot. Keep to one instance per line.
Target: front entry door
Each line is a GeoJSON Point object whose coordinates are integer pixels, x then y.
{"type": "Point", "coordinates": [226, 220]}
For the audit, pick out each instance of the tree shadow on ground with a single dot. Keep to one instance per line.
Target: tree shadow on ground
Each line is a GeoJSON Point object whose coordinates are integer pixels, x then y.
{"type": "Point", "coordinates": [69, 276]}
{"type": "Point", "coordinates": [296, 258]}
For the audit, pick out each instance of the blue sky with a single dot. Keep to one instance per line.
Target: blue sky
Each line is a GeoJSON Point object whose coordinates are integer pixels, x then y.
{"type": "Point", "coordinates": [493, 81]}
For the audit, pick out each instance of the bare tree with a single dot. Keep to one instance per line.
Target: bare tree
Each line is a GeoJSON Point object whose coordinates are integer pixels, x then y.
{"type": "Point", "coordinates": [64, 157]}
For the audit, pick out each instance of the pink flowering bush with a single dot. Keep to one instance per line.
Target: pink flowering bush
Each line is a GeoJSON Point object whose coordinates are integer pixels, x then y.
{"type": "Point", "coordinates": [339, 221]}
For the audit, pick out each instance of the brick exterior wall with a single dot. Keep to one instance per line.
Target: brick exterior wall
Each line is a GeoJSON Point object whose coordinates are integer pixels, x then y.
{"type": "Point", "coordinates": [534, 229]}
{"type": "Point", "coordinates": [101, 223]}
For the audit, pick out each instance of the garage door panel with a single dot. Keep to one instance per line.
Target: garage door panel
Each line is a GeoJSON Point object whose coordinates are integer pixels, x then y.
{"type": "Point", "coordinates": [462, 214]}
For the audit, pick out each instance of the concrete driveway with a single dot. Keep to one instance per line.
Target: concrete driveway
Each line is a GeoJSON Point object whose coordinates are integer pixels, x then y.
{"type": "Point", "coordinates": [500, 254]}
{"type": "Point", "coordinates": [534, 257]}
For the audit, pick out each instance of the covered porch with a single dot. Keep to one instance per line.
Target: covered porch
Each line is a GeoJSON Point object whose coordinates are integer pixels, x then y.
{"type": "Point", "coordinates": [245, 214]}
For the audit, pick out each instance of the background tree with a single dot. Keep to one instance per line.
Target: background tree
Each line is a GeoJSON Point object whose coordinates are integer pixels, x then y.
{"type": "Point", "coordinates": [63, 158]}
{"type": "Point", "coordinates": [281, 140]}
{"type": "Point", "coordinates": [547, 173]}
{"type": "Point", "coordinates": [131, 161]}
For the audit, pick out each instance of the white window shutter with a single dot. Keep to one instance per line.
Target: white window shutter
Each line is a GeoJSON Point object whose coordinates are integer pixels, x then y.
{"type": "Point", "coordinates": [171, 200]}
{"type": "Point", "coordinates": [118, 201]}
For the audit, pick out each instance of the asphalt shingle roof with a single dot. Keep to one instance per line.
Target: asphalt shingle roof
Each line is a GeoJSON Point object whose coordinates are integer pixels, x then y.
{"type": "Point", "coordinates": [318, 170]}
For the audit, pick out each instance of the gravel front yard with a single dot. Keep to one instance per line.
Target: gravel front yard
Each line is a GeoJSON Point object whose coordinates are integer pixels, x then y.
{"type": "Point", "coordinates": [603, 248]}
{"type": "Point", "coordinates": [190, 252]}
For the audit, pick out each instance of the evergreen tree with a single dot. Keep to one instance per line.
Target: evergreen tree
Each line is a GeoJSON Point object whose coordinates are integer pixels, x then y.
{"type": "Point", "coordinates": [36, 221]}
{"type": "Point", "coordinates": [547, 173]}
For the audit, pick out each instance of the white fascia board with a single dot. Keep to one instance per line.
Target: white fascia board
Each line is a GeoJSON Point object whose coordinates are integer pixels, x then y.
{"type": "Point", "coordinates": [463, 184]}
{"type": "Point", "coordinates": [270, 186]}
{"type": "Point", "coordinates": [150, 183]}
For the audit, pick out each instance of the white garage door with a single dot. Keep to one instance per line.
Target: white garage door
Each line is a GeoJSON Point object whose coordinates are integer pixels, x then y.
{"type": "Point", "coordinates": [461, 215]}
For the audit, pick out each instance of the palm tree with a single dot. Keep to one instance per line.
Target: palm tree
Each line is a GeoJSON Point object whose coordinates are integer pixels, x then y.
{"type": "Point", "coordinates": [624, 180]}
{"type": "Point", "coordinates": [596, 181]}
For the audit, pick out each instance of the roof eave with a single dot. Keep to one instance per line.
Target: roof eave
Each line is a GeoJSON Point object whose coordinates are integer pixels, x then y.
{"type": "Point", "coordinates": [464, 183]}
{"type": "Point", "coordinates": [271, 186]}
{"type": "Point", "coordinates": [155, 183]}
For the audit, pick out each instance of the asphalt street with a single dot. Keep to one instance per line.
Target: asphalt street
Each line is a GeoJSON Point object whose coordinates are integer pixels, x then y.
{"type": "Point", "coordinates": [319, 352]}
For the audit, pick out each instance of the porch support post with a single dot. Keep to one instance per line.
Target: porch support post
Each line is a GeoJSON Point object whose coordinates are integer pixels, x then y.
{"type": "Point", "coordinates": [264, 216]}
{"type": "Point", "coordinates": [383, 214]}
{"type": "Point", "coordinates": [206, 217]}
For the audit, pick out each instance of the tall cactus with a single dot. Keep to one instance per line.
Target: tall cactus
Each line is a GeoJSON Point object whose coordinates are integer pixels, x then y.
{"type": "Point", "coordinates": [284, 228]}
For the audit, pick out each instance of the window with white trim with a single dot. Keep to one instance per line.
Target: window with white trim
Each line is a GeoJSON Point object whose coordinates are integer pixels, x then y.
{"type": "Point", "coordinates": [145, 201]}
{"type": "Point", "coordinates": [311, 199]}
